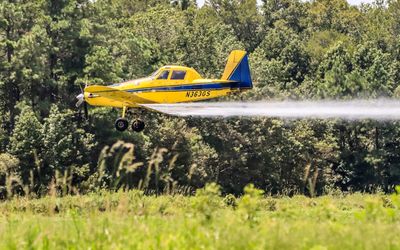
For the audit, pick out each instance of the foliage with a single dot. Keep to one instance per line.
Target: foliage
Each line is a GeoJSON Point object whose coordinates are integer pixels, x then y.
{"type": "Point", "coordinates": [207, 200]}
{"type": "Point", "coordinates": [8, 173]}
{"type": "Point", "coordinates": [26, 141]}
{"type": "Point", "coordinates": [298, 49]}
{"type": "Point", "coordinates": [250, 204]}
{"type": "Point", "coordinates": [66, 146]}
{"type": "Point", "coordinates": [113, 219]}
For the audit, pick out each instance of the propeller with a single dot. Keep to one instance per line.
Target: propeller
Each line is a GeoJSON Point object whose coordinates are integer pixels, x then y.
{"type": "Point", "coordinates": [81, 100]}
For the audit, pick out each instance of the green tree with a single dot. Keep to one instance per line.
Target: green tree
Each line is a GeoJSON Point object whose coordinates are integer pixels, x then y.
{"type": "Point", "coordinates": [26, 141]}
{"type": "Point", "coordinates": [16, 18]}
{"type": "Point", "coordinates": [244, 18]}
{"type": "Point", "coordinates": [101, 67]}
{"type": "Point", "coordinates": [67, 148]}
{"type": "Point", "coordinates": [336, 15]}
{"type": "Point", "coordinates": [205, 43]}
{"type": "Point", "coordinates": [281, 60]}
{"type": "Point", "coordinates": [321, 42]}
{"type": "Point", "coordinates": [373, 65]}
{"type": "Point", "coordinates": [333, 73]}
{"type": "Point", "coordinates": [292, 12]}
{"type": "Point", "coordinates": [183, 4]}
{"type": "Point", "coordinates": [3, 139]}
{"type": "Point", "coordinates": [30, 60]}
{"type": "Point", "coordinates": [298, 49]}
{"type": "Point", "coordinates": [9, 168]}
{"type": "Point", "coordinates": [195, 160]}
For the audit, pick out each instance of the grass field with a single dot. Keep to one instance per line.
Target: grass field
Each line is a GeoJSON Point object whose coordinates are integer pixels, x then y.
{"type": "Point", "coordinates": [131, 220]}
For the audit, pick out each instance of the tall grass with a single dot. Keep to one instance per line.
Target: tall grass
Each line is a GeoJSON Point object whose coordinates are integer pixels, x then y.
{"type": "Point", "coordinates": [117, 169]}
{"type": "Point", "coordinates": [207, 220]}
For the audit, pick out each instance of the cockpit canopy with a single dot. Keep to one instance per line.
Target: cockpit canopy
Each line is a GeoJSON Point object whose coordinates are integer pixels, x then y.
{"type": "Point", "coordinates": [175, 73]}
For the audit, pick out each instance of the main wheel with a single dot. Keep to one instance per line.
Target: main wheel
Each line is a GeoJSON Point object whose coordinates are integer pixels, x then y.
{"type": "Point", "coordinates": [121, 124]}
{"type": "Point", "coordinates": [137, 125]}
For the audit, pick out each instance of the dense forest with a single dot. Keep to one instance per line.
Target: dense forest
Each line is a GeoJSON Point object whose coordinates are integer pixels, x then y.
{"type": "Point", "coordinates": [320, 49]}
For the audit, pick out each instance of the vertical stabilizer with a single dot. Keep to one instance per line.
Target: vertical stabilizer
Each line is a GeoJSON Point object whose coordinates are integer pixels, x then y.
{"type": "Point", "coordinates": [237, 69]}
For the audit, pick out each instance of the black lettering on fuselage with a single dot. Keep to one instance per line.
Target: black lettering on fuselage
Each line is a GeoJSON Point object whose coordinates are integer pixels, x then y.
{"type": "Point", "coordinates": [198, 93]}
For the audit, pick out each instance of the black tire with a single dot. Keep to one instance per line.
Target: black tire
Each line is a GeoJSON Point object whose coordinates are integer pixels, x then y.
{"type": "Point", "coordinates": [121, 124]}
{"type": "Point", "coordinates": [138, 125]}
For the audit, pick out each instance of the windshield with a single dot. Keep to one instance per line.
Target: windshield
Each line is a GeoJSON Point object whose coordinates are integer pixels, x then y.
{"type": "Point", "coordinates": [154, 73]}
{"type": "Point", "coordinates": [164, 75]}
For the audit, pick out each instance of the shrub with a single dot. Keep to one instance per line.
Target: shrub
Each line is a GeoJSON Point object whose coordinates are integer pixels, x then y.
{"type": "Point", "coordinates": [207, 200]}
{"type": "Point", "coordinates": [251, 202]}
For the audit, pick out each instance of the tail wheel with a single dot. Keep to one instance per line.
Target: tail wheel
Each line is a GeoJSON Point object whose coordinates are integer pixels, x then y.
{"type": "Point", "coordinates": [138, 125]}
{"type": "Point", "coordinates": [121, 124]}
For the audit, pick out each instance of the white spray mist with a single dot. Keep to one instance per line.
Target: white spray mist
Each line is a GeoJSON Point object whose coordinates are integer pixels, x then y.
{"type": "Point", "coordinates": [380, 109]}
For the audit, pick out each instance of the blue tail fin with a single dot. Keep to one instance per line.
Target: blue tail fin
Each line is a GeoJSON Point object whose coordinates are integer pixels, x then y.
{"type": "Point", "coordinates": [237, 69]}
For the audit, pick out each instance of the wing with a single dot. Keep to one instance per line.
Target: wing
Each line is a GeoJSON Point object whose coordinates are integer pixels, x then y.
{"type": "Point", "coordinates": [116, 94]}
{"type": "Point", "coordinates": [177, 109]}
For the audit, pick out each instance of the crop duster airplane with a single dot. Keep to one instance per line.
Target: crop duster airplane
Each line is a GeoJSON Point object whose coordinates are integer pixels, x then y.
{"type": "Point", "coordinates": [169, 84]}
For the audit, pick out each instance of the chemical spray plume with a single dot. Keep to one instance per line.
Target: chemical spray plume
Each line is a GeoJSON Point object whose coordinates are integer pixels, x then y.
{"type": "Point", "coordinates": [380, 109]}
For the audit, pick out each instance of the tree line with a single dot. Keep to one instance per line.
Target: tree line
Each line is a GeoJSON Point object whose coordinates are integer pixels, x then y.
{"type": "Point", "coordinates": [319, 49]}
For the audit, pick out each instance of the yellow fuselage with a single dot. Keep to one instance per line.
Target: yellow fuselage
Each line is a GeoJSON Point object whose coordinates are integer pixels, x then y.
{"type": "Point", "coordinates": [165, 86]}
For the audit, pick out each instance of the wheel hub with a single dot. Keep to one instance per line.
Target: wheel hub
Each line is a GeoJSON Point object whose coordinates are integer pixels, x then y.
{"type": "Point", "coordinates": [121, 124]}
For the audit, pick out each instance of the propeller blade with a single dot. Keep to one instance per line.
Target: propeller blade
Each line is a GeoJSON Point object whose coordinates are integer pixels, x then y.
{"type": "Point", "coordinates": [81, 99]}
{"type": "Point", "coordinates": [79, 103]}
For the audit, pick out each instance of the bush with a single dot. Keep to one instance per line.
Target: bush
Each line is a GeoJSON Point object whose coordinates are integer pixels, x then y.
{"type": "Point", "coordinates": [207, 200]}
{"type": "Point", "coordinates": [9, 178]}
{"type": "Point", "coordinates": [251, 202]}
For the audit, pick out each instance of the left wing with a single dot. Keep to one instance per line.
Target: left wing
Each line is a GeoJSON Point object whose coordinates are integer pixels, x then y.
{"type": "Point", "coordinates": [116, 94]}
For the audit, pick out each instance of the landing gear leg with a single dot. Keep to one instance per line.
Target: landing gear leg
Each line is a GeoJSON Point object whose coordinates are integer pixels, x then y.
{"type": "Point", "coordinates": [121, 124]}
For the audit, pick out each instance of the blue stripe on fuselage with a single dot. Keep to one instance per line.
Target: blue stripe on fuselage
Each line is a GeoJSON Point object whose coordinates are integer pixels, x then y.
{"type": "Point", "coordinates": [213, 86]}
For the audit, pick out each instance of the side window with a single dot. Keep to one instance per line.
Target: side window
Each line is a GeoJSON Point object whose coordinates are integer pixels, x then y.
{"type": "Point", "coordinates": [163, 75]}
{"type": "Point", "coordinates": [178, 75]}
